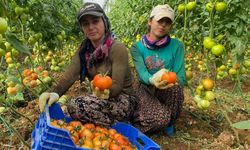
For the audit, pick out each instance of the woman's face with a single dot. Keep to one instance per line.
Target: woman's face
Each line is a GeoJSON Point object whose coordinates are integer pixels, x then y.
{"type": "Point", "coordinates": [93, 27]}
{"type": "Point", "coordinates": [159, 28]}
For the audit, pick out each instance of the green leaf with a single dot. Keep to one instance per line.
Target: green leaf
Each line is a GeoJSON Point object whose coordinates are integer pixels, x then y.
{"type": "Point", "coordinates": [17, 44]}
{"type": "Point", "coordinates": [19, 96]}
{"type": "Point", "coordinates": [242, 125]}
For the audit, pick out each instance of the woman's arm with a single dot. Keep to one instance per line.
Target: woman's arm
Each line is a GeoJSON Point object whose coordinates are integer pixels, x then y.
{"type": "Point", "coordinates": [179, 64]}
{"type": "Point", "coordinates": [140, 66]}
{"type": "Point", "coordinates": [119, 56]}
{"type": "Point", "coordinates": [70, 75]}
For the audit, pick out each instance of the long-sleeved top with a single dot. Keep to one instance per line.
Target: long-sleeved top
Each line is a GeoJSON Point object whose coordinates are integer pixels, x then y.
{"type": "Point", "coordinates": [116, 65]}
{"type": "Point", "coordinates": [148, 61]}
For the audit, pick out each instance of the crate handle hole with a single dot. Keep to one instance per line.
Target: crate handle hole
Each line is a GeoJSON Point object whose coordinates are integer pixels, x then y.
{"type": "Point", "coordinates": [140, 141]}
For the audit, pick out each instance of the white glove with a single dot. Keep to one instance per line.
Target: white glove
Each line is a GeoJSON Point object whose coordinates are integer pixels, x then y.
{"type": "Point", "coordinates": [157, 76]}
{"type": "Point", "coordinates": [101, 94]}
{"type": "Point", "coordinates": [47, 97]}
{"type": "Point", "coordinates": [156, 79]}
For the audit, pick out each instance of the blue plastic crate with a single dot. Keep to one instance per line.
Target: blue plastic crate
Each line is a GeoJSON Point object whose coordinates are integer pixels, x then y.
{"type": "Point", "coordinates": [47, 137]}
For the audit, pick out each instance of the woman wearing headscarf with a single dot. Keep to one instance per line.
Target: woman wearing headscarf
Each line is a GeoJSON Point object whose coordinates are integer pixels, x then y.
{"type": "Point", "coordinates": [98, 53]}
{"type": "Point", "coordinates": [156, 53]}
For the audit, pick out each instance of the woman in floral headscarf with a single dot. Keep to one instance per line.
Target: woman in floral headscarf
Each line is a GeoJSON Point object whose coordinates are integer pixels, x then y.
{"type": "Point", "coordinates": [100, 52]}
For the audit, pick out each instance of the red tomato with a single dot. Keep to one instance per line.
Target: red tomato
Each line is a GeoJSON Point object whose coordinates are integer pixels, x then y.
{"type": "Point", "coordinates": [102, 82]}
{"type": "Point", "coordinates": [170, 77]}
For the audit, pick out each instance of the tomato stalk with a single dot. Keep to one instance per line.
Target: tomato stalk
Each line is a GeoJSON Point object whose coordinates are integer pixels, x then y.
{"type": "Point", "coordinates": [230, 124]}
{"type": "Point", "coordinates": [15, 131]}
{"type": "Point", "coordinates": [13, 109]}
{"type": "Point", "coordinates": [1, 62]}
{"type": "Point", "coordinates": [212, 14]}
{"type": "Point", "coordinates": [185, 21]}
{"type": "Point", "coordinates": [191, 89]}
{"type": "Point", "coordinates": [21, 28]}
{"type": "Point", "coordinates": [44, 85]}
{"type": "Point", "coordinates": [237, 86]}
{"type": "Point", "coordinates": [40, 55]}
{"type": "Point", "coordinates": [31, 62]}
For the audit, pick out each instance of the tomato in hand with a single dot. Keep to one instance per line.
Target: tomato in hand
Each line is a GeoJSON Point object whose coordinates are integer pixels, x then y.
{"type": "Point", "coordinates": [170, 77]}
{"type": "Point", "coordinates": [102, 82]}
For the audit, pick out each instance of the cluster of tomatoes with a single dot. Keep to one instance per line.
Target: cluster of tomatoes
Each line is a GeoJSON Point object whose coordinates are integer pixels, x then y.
{"type": "Point", "coordinates": [94, 137]}
{"type": "Point", "coordinates": [31, 77]}
{"type": "Point", "coordinates": [205, 94]}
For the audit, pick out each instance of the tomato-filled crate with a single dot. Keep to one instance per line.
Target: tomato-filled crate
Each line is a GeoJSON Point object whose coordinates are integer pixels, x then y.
{"type": "Point", "coordinates": [48, 137]}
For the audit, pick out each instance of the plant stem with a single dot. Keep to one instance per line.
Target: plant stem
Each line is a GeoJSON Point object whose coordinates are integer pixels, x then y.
{"type": "Point", "coordinates": [230, 123]}
{"type": "Point", "coordinates": [21, 115]}
{"type": "Point", "coordinates": [185, 22]}
{"type": "Point", "coordinates": [16, 132]}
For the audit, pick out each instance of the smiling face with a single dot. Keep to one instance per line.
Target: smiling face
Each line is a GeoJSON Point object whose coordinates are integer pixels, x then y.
{"type": "Point", "coordinates": [93, 27]}
{"type": "Point", "coordinates": [159, 28]}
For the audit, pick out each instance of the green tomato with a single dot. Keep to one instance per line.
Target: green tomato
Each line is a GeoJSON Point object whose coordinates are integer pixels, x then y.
{"type": "Point", "coordinates": [220, 73]}
{"type": "Point", "coordinates": [243, 70]}
{"type": "Point", "coordinates": [38, 82]}
{"type": "Point", "coordinates": [2, 52]}
{"type": "Point", "coordinates": [197, 98]}
{"type": "Point", "coordinates": [14, 52]}
{"type": "Point", "coordinates": [38, 36]}
{"type": "Point", "coordinates": [47, 80]}
{"type": "Point", "coordinates": [209, 95]}
{"type": "Point", "coordinates": [57, 68]}
{"type": "Point", "coordinates": [232, 71]}
{"type": "Point", "coordinates": [19, 87]}
{"type": "Point", "coordinates": [24, 17]}
{"type": "Point", "coordinates": [3, 25]}
{"type": "Point", "coordinates": [219, 37]}
{"type": "Point", "coordinates": [53, 62]}
{"type": "Point", "coordinates": [209, 6]}
{"type": "Point", "coordinates": [181, 8]}
{"type": "Point", "coordinates": [217, 50]}
{"type": "Point", "coordinates": [198, 91]}
{"type": "Point", "coordinates": [19, 10]}
{"type": "Point", "coordinates": [222, 67]}
{"type": "Point", "coordinates": [208, 42]}
{"type": "Point", "coordinates": [220, 6]}
{"type": "Point", "coordinates": [3, 110]}
{"type": "Point", "coordinates": [32, 40]}
{"type": "Point", "coordinates": [11, 66]}
{"type": "Point", "coordinates": [59, 37]}
{"type": "Point", "coordinates": [61, 64]}
{"type": "Point", "coordinates": [191, 5]}
{"type": "Point", "coordinates": [7, 46]}
{"type": "Point", "coordinates": [247, 63]}
{"type": "Point", "coordinates": [203, 104]}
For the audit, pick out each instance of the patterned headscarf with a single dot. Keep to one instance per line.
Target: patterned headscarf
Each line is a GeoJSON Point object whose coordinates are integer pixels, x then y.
{"type": "Point", "coordinates": [154, 45]}
{"type": "Point", "coordinates": [89, 55]}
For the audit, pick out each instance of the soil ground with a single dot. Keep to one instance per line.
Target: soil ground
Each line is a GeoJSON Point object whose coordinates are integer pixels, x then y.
{"type": "Point", "coordinates": [195, 129]}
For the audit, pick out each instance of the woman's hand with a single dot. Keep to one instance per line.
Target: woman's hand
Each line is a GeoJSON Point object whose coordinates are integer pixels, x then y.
{"type": "Point", "coordinates": [47, 97]}
{"type": "Point", "coordinates": [104, 94]}
{"type": "Point", "coordinates": [158, 83]}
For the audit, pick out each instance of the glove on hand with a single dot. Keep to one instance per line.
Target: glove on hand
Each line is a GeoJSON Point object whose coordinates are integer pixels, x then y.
{"type": "Point", "coordinates": [101, 94]}
{"type": "Point", "coordinates": [156, 79]}
{"type": "Point", "coordinates": [47, 97]}
{"type": "Point", "coordinates": [158, 83]}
